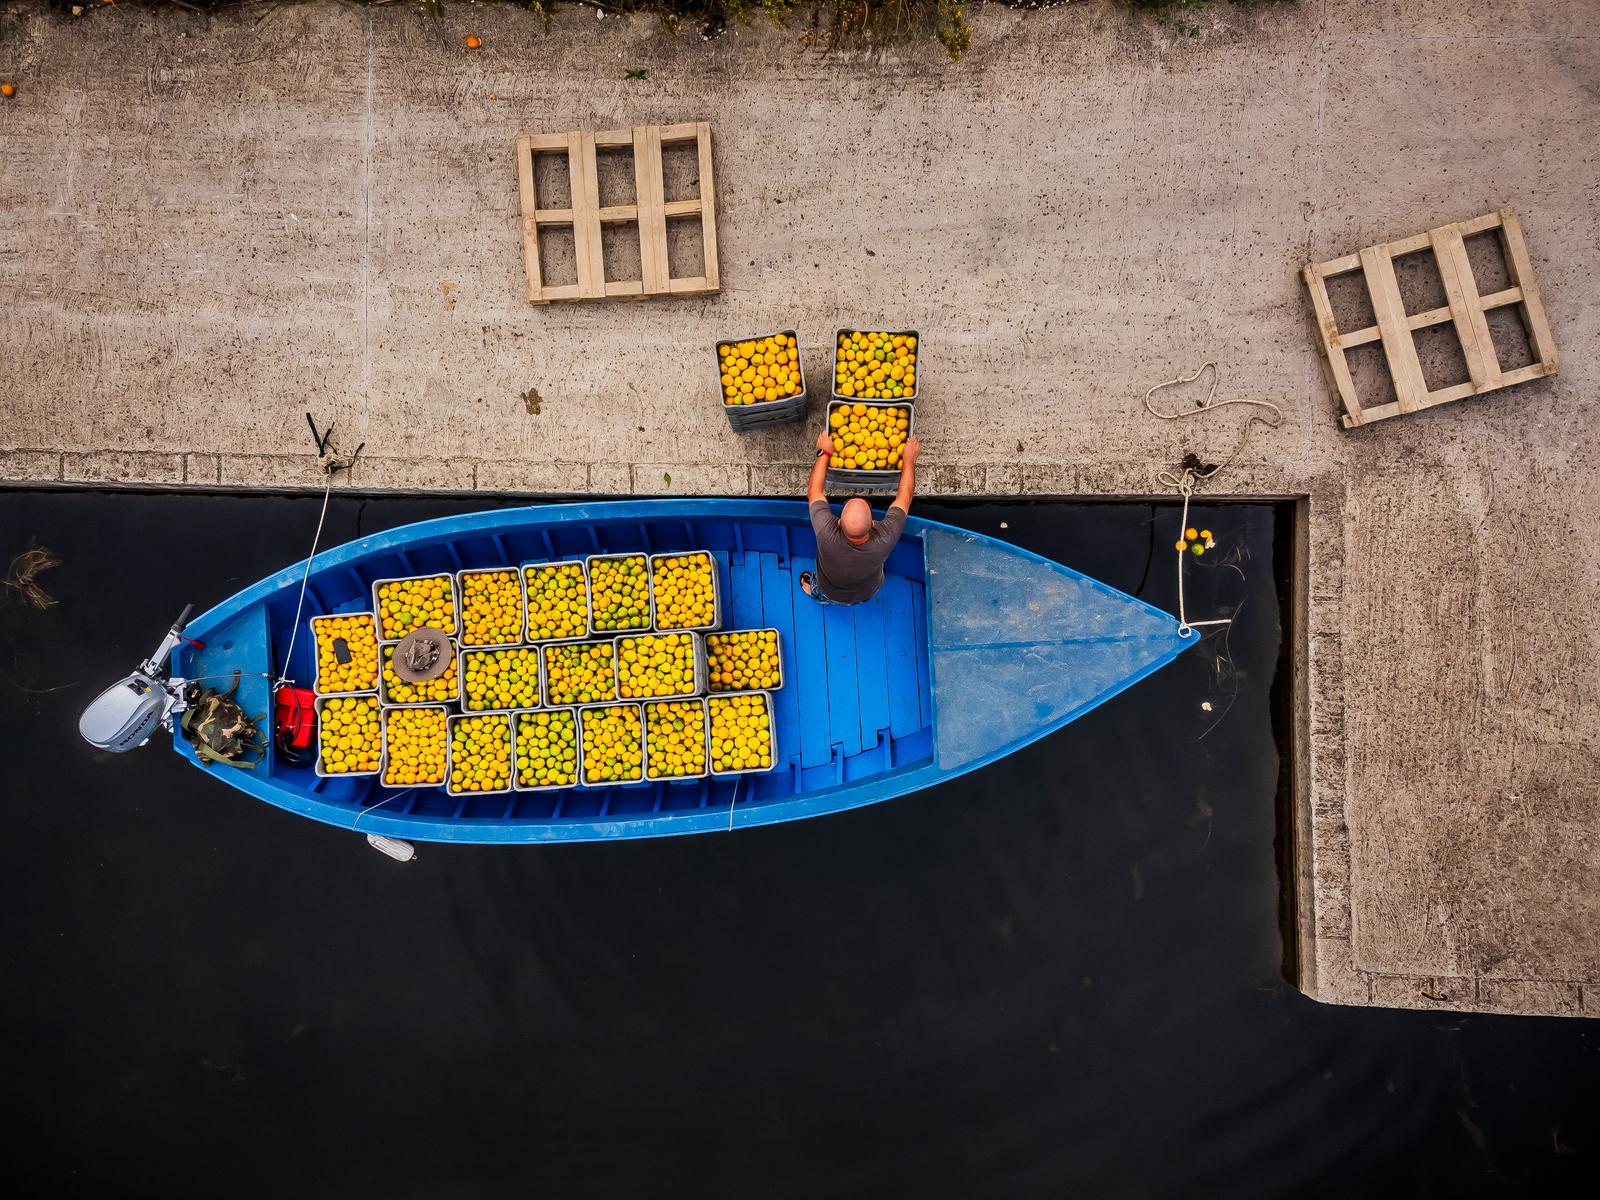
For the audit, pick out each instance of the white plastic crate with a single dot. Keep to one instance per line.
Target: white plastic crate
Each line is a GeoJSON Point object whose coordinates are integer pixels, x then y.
{"type": "Point", "coordinates": [716, 594]}
{"type": "Point", "coordinates": [516, 752]}
{"type": "Point", "coordinates": [384, 769]}
{"type": "Point", "coordinates": [588, 570]}
{"type": "Point", "coordinates": [322, 702]}
{"type": "Point", "coordinates": [461, 601]}
{"type": "Point", "coordinates": [772, 734]}
{"type": "Point", "coordinates": [705, 733]}
{"type": "Point", "coordinates": [449, 757]}
{"type": "Point", "coordinates": [638, 709]}
{"type": "Point", "coordinates": [697, 649]}
{"type": "Point", "coordinates": [455, 601]}
{"type": "Point", "coordinates": [588, 615]}
{"type": "Point", "coordinates": [777, 638]}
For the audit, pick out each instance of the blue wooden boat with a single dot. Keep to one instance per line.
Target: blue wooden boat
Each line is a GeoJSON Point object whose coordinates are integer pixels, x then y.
{"type": "Point", "coordinates": [972, 649]}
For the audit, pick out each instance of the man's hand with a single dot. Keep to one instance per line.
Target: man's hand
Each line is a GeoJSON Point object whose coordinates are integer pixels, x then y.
{"type": "Point", "coordinates": [825, 442]}
{"type": "Point", "coordinates": [909, 455]}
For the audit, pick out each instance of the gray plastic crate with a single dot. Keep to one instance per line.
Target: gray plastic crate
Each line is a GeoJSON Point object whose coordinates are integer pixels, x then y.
{"type": "Point", "coordinates": [705, 733]}
{"type": "Point", "coordinates": [833, 369]}
{"type": "Point", "coordinates": [588, 614]}
{"type": "Point", "coordinates": [588, 571]}
{"type": "Point", "coordinates": [449, 752]}
{"type": "Point", "coordinates": [386, 649]}
{"type": "Point", "coordinates": [639, 710]}
{"type": "Point", "coordinates": [516, 765]}
{"type": "Point", "coordinates": [716, 593]}
{"type": "Point", "coordinates": [772, 734]}
{"type": "Point", "coordinates": [481, 652]}
{"type": "Point", "coordinates": [745, 417]}
{"type": "Point", "coordinates": [383, 771]}
{"type": "Point", "coordinates": [776, 637]}
{"type": "Point", "coordinates": [455, 600]}
{"type": "Point", "coordinates": [698, 648]}
{"type": "Point", "coordinates": [317, 766]}
{"type": "Point", "coordinates": [461, 616]}
{"type": "Point", "coordinates": [317, 686]}
{"type": "Point", "coordinates": [869, 481]}
{"type": "Point", "coordinates": [544, 668]}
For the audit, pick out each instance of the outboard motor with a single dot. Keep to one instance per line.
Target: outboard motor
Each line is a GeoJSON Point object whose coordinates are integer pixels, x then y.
{"type": "Point", "coordinates": [125, 715]}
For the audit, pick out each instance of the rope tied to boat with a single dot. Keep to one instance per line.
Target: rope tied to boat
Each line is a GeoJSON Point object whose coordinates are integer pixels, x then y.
{"type": "Point", "coordinates": [331, 463]}
{"type": "Point", "coordinates": [1194, 472]}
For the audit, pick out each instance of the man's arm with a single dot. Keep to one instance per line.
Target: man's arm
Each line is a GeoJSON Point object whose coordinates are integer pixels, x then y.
{"type": "Point", "coordinates": [819, 473]}
{"type": "Point", "coordinates": [908, 476]}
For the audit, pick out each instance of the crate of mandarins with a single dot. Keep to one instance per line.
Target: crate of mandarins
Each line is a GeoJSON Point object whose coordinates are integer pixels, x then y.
{"type": "Point", "coordinates": [500, 680]}
{"type": "Point", "coordinates": [347, 653]}
{"type": "Point", "coordinates": [744, 660]}
{"type": "Point", "coordinates": [875, 364]}
{"type": "Point", "coordinates": [558, 601]}
{"type": "Point", "coordinates": [613, 744]}
{"type": "Point", "coordinates": [660, 664]}
{"type": "Point", "coordinates": [675, 740]}
{"type": "Point", "coordinates": [349, 736]}
{"type": "Point", "coordinates": [403, 605]}
{"type": "Point", "coordinates": [685, 591]}
{"type": "Point", "coordinates": [869, 439]}
{"type": "Point", "coordinates": [415, 742]}
{"type": "Point", "coordinates": [742, 737]}
{"type": "Point", "coordinates": [619, 593]}
{"type": "Point", "coordinates": [546, 750]}
{"type": "Point", "coordinates": [479, 756]}
{"type": "Point", "coordinates": [491, 607]}
{"type": "Point", "coordinates": [762, 380]}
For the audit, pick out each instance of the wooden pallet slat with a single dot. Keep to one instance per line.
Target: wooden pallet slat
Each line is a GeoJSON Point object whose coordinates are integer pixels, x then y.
{"type": "Point", "coordinates": [649, 212]}
{"type": "Point", "coordinates": [1466, 306]}
{"type": "Point", "coordinates": [1466, 311]}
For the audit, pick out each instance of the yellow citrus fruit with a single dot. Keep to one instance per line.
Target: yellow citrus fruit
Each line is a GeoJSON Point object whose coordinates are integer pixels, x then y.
{"type": "Point", "coordinates": [558, 602]}
{"type": "Point", "coordinates": [407, 604]}
{"type": "Point", "coordinates": [349, 737]}
{"type": "Point", "coordinates": [744, 660]}
{"type": "Point", "coordinates": [547, 748]}
{"type": "Point", "coordinates": [758, 370]}
{"type": "Point", "coordinates": [360, 635]}
{"type": "Point", "coordinates": [660, 664]}
{"type": "Point", "coordinates": [685, 590]}
{"type": "Point", "coordinates": [741, 733]}
{"type": "Point", "coordinates": [579, 673]}
{"type": "Point", "coordinates": [500, 679]}
{"type": "Point", "coordinates": [429, 691]}
{"type": "Point", "coordinates": [613, 747]}
{"type": "Point", "coordinates": [491, 608]}
{"type": "Point", "coordinates": [869, 437]}
{"type": "Point", "coordinates": [875, 365]}
{"type": "Point", "coordinates": [415, 739]}
{"type": "Point", "coordinates": [480, 753]}
{"type": "Point", "coordinates": [675, 738]}
{"type": "Point", "coordinates": [620, 592]}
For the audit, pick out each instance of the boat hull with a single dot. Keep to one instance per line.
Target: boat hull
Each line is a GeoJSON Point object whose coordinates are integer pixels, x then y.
{"type": "Point", "coordinates": [972, 649]}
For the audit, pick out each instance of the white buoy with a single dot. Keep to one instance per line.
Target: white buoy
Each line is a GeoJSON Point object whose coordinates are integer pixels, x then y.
{"type": "Point", "coordinates": [393, 847]}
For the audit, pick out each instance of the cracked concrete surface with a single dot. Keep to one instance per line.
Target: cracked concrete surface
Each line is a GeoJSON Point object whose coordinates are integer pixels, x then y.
{"type": "Point", "coordinates": [208, 226]}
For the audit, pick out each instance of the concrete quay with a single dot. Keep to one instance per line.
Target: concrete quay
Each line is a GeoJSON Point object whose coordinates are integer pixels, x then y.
{"type": "Point", "coordinates": [210, 225]}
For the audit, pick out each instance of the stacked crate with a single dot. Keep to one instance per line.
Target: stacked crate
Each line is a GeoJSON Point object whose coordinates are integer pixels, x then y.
{"type": "Point", "coordinates": [607, 671]}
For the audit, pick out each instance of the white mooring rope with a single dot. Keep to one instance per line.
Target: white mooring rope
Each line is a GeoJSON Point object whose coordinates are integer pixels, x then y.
{"type": "Point", "coordinates": [1194, 472]}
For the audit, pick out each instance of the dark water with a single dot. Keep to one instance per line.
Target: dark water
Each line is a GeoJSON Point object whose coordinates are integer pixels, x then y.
{"type": "Point", "coordinates": [1060, 976]}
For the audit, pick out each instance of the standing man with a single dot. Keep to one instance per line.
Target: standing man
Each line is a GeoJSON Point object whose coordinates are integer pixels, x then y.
{"type": "Point", "coordinates": [852, 547]}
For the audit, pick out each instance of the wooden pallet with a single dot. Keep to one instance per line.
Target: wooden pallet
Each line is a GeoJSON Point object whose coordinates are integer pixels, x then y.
{"type": "Point", "coordinates": [650, 212]}
{"type": "Point", "coordinates": [1465, 308]}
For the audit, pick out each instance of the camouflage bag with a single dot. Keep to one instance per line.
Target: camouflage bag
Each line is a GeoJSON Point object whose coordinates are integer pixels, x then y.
{"type": "Point", "coordinates": [220, 731]}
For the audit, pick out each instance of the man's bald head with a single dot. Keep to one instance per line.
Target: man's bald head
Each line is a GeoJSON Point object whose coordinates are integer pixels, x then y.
{"type": "Point", "coordinates": [855, 521]}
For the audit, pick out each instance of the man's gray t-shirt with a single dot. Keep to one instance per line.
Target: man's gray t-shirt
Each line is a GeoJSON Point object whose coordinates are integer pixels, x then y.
{"type": "Point", "coordinates": [848, 574]}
